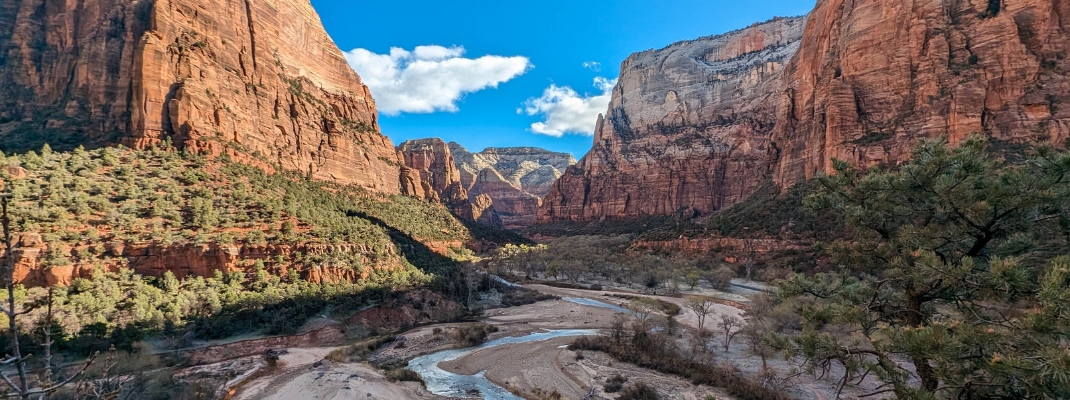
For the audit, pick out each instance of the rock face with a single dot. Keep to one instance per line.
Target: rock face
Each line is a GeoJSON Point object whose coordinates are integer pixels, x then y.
{"type": "Point", "coordinates": [695, 127]}
{"type": "Point", "coordinates": [688, 128]}
{"type": "Point", "coordinates": [259, 80]}
{"type": "Point", "coordinates": [872, 77]}
{"type": "Point", "coordinates": [430, 172]}
{"type": "Point", "coordinates": [513, 179]}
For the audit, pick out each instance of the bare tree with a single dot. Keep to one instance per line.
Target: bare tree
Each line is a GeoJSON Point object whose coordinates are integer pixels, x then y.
{"type": "Point", "coordinates": [23, 386]}
{"type": "Point", "coordinates": [473, 276]}
{"type": "Point", "coordinates": [701, 306]}
{"type": "Point", "coordinates": [643, 314]}
{"type": "Point", "coordinates": [108, 385]}
{"type": "Point", "coordinates": [748, 252]}
{"type": "Point", "coordinates": [754, 337]}
{"type": "Point", "coordinates": [730, 325]}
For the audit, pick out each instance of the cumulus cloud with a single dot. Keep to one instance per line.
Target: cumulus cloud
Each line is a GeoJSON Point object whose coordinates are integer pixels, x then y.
{"type": "Point", "coordinates": [430, 78]}
{"type": "Point", "coordinates": [593, 66]}
{"type": "Point", "coordinates": [566, 111]}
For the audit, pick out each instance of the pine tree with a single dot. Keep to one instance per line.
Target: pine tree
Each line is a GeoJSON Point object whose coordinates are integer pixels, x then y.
{"type": "Point", "coordinates": [950, 270]}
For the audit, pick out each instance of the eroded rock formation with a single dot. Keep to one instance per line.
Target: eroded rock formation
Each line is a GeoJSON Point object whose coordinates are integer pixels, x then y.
{"type": "Point", "coordinates": [872, 77]}
{"type": "Point", "coordinates": [259, 80]}
{"type": "Point", "coordinates": [430, 172]}
{"type": "Point", "coordinates": [513, 179]}
{"type": "Point", "coordinates": [688, 129]}
{"type": "Point", "coordinates": [697, 126]}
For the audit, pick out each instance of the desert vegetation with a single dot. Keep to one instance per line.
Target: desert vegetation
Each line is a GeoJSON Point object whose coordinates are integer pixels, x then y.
{"type": "Point", "coordinates": [953, 284]}
{"type": "Point", "coordinates": [946, 279]}
{"type": "Point", "coordinates": [81, 208]}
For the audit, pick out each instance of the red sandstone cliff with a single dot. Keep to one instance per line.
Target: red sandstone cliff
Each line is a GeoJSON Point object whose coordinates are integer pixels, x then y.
{"type": "Point", "coordinates": [872, 77]}
{"type": "Point", "coordinates": [260, 80]}
{"type": "Point", "coordinates": [688, 128]}
{"type": "Point", "coordinates": [430, 172]}
{"type": "Point", "coordinates": [691, 129]}
{"type": "Point", "coordinates": [514, 179]}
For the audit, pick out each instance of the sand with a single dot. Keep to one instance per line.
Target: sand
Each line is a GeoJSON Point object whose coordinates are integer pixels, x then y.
{"type": "Point", "coordinates": [548, 366]}
{"type": "Point", "coordinates": [304, 374]}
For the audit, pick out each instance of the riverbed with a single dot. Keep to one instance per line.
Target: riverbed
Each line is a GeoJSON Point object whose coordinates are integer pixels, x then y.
{"type": "Point", "coordinates": [446, 383]}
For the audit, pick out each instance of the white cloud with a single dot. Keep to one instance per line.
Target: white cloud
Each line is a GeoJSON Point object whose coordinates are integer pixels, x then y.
{"type": "Point", "coordinates": [430, 78]}
{"type": "Point", "coordinates": [567, 111]}
{"type": "Point", "coordinates": [593, 65]}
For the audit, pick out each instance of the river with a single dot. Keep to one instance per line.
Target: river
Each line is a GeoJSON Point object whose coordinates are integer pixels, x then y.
{"type": "Point", "coordinates": [445, 383]}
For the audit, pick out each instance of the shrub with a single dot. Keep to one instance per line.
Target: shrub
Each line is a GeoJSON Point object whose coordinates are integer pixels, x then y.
{"type": "Point", "coordinates": [639, 392]}
{"type": "Point", "coordinates": [473, 334]}
{"type": "Point", "coordinates": [721, 277]}
{"type": "Point", "coordinates": [522, 297]}
{"type": "Point", "coordinates": [657, 352]}
{"type": "Point", "coordinates": [615, 384]}
{"type": "Point", "coordinates": [404, 375]}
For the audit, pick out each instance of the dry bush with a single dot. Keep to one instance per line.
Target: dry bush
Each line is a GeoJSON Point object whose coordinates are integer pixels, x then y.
{"type": "Point", "coordinates": [639, 392]}
{"type": "Point", "coordinates": [473, 334]}
{"type": "Point", "coordinates": [404, 375]}
{"type": "Point", "coordinates": [614, 384]}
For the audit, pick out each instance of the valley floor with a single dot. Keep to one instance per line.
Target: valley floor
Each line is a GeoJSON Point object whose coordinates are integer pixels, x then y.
{"type": "Point", "coordinates": [525, 369]}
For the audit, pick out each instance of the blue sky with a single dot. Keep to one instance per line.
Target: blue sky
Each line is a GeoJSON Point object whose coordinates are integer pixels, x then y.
{"type": "Point", "coordinates": [482, 73]}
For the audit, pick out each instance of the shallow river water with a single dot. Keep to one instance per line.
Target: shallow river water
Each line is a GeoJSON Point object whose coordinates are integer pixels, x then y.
{"type": "Point", "coordinates": [594, 303]}
{"type": "Point", "coordinates": [445, 383]}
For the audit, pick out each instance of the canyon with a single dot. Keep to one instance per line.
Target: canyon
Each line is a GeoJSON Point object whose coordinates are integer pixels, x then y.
{"type": "Point", "coordinates": [514, 178]}
{"type": "Point", "coordinates": [699, 125]}
{"type": "Point", "coordinates": [497, 186]}
{"type": "Point", "coordinates": [688, 129]}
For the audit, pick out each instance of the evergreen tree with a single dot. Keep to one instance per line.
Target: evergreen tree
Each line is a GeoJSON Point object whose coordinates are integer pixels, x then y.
{"type": "Point", "coordinates": [951, 270]}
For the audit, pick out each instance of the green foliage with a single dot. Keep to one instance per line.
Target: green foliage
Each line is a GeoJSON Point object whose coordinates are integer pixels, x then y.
{"type": "Point", "coordinates": [770, 213]}
{"type": "Point", "coordinates": [721, 277]}
{"type": "Point", "coordinates": [956, 280]}
{"type": "Point", "coordinates": [85, 202]}
{"type": "Point", "coordinates": [654, 227]}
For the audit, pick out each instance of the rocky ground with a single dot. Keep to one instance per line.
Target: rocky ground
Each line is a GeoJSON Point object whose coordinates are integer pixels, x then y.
{"type": "Point", "coordinates": [525, 369]}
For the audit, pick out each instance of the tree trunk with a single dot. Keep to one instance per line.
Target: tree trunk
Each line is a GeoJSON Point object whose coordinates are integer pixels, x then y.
{"type": "Point", "coordinates": [914, 319]}
{"type": "Point", "coordinates": [925, 373]}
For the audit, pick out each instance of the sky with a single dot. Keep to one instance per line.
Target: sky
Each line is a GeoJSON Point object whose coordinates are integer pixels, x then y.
{"type": "Point", "coordinates": [514, 73]}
